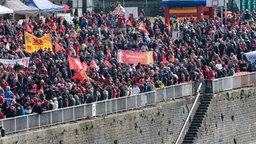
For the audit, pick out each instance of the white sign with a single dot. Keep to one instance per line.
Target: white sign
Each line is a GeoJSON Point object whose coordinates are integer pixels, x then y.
{"type": "Point", "coordinates": [251, 57]}
{"type": "Point", "coordinates": [131, 10]}
{"type": "Point", "coordinates": [11, 63]}
{"type": "Point", "coordinates": [67, 16]}
{"type": "Point", "coordinates": [215, 3]}
{"type": "Point", "coordinates": [219, 66]}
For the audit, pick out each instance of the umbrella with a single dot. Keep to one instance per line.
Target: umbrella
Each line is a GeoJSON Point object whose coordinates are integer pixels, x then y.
{"type": "Point", "coordinates": [66, 7]}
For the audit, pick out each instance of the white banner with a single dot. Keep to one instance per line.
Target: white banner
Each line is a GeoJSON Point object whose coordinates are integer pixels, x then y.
{"type": "Point", "coordinates": [11, 63]}
{"type": "Point", "coordinates": [67, 17]}
{"type": "Point", "coordinates": [251, 57]}
{"type": "Point", "coordinates": [131, 10]}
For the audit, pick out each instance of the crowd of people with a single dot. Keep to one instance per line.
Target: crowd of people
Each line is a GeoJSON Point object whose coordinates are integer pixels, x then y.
{"type": "Point", "coordinates": [205, 49]}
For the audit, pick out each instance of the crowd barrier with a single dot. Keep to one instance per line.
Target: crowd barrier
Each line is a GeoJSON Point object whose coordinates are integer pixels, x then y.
{"type": "Point", "coordinates": [229, 83]}
{"type": "Point", "coordinates": [47, 118]}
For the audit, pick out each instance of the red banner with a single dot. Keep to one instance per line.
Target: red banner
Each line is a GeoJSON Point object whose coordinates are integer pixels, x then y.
{"type": "Point", "coordinates": [132, 57]}
{"type": "Point", "coordinates": [74, 63]}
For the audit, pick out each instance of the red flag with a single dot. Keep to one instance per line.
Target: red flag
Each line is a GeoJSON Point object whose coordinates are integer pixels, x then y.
{"type": "Point", "coordinates": [84, 65]}
{"type": "Point", "coordinates": [142, 27]}
{"type": "Point", "coordinates": [108, 54]}
{"type": "Point", "coordinates": [7, 46]}
{"type": "Point", "coordinates": [81, 76]}
{"type": "Point", "coordinates": [129, 23]}
{"type": "Point", "coordinates": [41, 89]}
{"type": "Point", "coordinates": [163, 58]}
{"type": "Point", "coordinates": [108, 63]}
{"type": "Point", "coordinates": [28, 29]}
{"type": "Point", "coordinates": [74, 63]}
{"type": "Point", "coordinates": [94, 65]}
{"type": "Point", "coordinates": [169, 26]}
{"type": "Point", "coordinates": [57, 47]}
{"type": "Point", "coordinates": [17, 50]}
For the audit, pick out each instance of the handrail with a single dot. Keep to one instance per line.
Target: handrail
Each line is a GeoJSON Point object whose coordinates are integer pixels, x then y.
{"type": "Point", "coordinates": [190, 113]}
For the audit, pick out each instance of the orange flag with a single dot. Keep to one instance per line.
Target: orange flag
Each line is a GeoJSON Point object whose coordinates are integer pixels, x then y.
{"type": "Point", "coordinates": [57, 47]}
{"type": "Point", "coordinates": [81, 76]}
{"type": "Point", "coordinates": [171, 59]}
{"type": "Point", "coordinates": [84, 65]}
{"type": "Point", "coordinates": [94, 65]}
{"type": "Point", "coordinates": [163, 58]}
{"type": "Point", "coordinates": [74, 63]}
{"type": "Point", "coordinates": [28, 29]}
{"type": "Point", "coordinates": [142, 27]}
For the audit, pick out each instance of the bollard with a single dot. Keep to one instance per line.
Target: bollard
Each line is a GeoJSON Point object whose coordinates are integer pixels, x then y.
{"type": "Point", "coordinates": [2, 132]}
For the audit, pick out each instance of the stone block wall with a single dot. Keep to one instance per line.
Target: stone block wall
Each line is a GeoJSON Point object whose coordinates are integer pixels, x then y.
{"type": "Point", "coordinates": [153, 125]}
{"type": "Point", "coordinates": [231, 118]}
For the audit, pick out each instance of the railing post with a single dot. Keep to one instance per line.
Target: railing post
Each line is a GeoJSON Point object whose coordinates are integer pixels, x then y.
{"type": "Point", "coordinates": [126, 104]}
{"type": "Point", "coordinates": [155, 95]}
{"type": "Point", "coordinates": [164, 94]}
{"type": "Point", "coordinates": [62, 116]}
{"type": "Point", "coordinates": [39, 120]}
{"type": "Point", "coordinates": [106, 107]}
{"type": "Point", "coordinates": [111, 111]}
{"type": "Point", "coordinates": [84, 111]}
{"type": "Point", "coordinates": [73, 112]}
{"type": "Point", "coordinates": [136, 101]}
{"type": "Point", "coordinates": [51, 118]}
{"type": "Point", "coordinates": [15, 127]}
{"type": "Point", "coordinates": [116, 105]}
{"type": "Point", "coordinates": [27, 122]}
{"type": "Point", "coordinates": [94, 110]}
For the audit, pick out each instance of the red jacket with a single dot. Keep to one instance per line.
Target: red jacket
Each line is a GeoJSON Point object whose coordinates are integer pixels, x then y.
{"type": "Point", "coordinates": [1, 115]}
{"type": "Point", "coordinates": [209, 74]}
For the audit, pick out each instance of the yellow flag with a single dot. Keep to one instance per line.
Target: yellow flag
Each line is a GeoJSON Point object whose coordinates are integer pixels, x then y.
{"type": "Point", "coordinates": [33, 43]}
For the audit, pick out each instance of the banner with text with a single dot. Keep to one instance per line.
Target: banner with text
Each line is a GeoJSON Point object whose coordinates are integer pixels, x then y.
{"type": "Point", "coordinates": [251, 57]}
{"type": "Point", "coordinates": [33, 43]}
{"type": "Point", "coordinates": [132, 57]}
{"type": "Point", "coordinates": [11, 63]}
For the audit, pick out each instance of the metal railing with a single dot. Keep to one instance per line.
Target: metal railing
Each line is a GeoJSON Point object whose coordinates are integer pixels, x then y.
{"type": "Point", "coordinates": [47, 118]}
{"type": "Point", "coordinates": [32, 121]}
{"type": "Point", "coordinates": [189, 114]}
{"type": "Point", "coordinates": [229, 83]}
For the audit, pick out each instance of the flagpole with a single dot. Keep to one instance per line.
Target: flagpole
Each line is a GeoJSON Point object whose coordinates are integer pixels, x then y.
{"type": "Point", "coordinates": [103, 3]}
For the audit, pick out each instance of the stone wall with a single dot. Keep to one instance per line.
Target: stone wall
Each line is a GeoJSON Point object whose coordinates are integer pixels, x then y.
{"type": "Point", "coordinates": [231, 118]}
{"type": "Point", "coordinates": [152, 125]}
